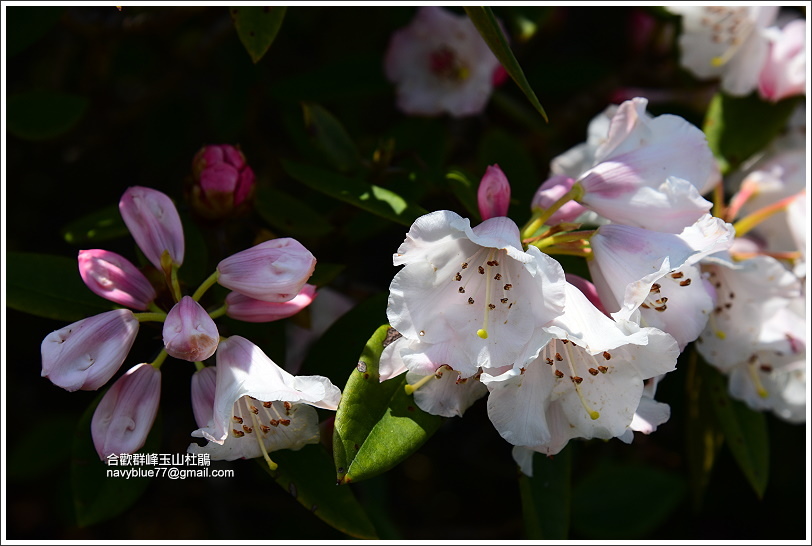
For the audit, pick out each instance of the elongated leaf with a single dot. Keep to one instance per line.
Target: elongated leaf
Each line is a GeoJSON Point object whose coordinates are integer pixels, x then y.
{"type": "Point", "coordinates": [97, 497]}
{"type": "Point", "coordinates": [329, 137]}
{"type": "Point", "coordinates": [50, 286]}
{"type": "Point", "coordinates": [40, 115]}
{"type": "Point", "coordinates": [488, 27]}
{"type": "Point", "coordinates": [102, 225]}
{"type": "Point", "coordinates": [624, 501]}
{"type": "Point", "coordinates": [739, 127]}
{"type": "Point", "coordinates": [546, 497]}
{"type": "Point", "coordinates": [369, 197]}
{"type": "Point", "coordinates": [377, 425]}
{"type": "Point", "coordinates": [745, 431]}
{"type": "Point", "coordinates": [307, 474]}
{"type": "Point", "coordinates": [257, 27]}
{"type": "Point", "coordinates": [290, 215]}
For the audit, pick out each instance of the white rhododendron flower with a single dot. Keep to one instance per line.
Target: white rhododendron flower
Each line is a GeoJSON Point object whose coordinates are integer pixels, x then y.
{"type": "Point", "coordinates": [440, 64]}
{"type": "Point", "coordinates": [727, 42]}
{"type": "Point", "coordinates": [470, 297]}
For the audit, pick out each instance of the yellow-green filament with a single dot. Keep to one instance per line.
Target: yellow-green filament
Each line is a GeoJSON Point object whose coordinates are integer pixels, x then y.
{"type": "Point", "coordinates": [762, 392]}
{"type": "Point", "coordinates": [752, 220]}
{"type": "Point", "coordinates": [483, 332]}
{"type": "Point", "coordinates": [411, 388]}
{"type": "Point", "coordinates": [272, 465]}
{"type": "Point", "coordinates": [592, 413]}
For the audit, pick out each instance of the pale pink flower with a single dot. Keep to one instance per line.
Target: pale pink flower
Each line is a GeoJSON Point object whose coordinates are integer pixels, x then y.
{"type": "Point", "coordinates": [126, 412]}
{"type": "Point", "coordinates": [223, 181]}
{"type": "Point", "coordinates": [242, 307]}
{"type": "Point", "coordinates": [550, 191]}
{"type": "Point", "coordinates": [439, 63]}
{"type": "Point", "coordinates": [86, 354]}
{"type": "Point", "coordinates": [784, 71]}
{"type": "Point", "coordinates": [115, 278]}
{"type": "Point", "coordinates": [154, 223]}
{"type": "Point", "coordinates": [189, 333]}
{"type": "Point", "coordinates": [493, 195]}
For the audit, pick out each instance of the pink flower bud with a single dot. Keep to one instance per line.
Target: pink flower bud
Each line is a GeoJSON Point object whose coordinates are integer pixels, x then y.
{"type": "Point", "coordinates": [86, 354]}
{"type": "Point", "coordinates": [587, 289]}
{"type": "Point", "coordinates": [493, 195]}
{"type": "Point", "coordinates": [189, 332]}
{"type": "Point", "coordinates": [552, 190]}
{"type": "Point", "coordinates": [203, 386]}
{"type": "Point", "coordinates": [125, 415]}
{"type": "Point", "coordinates": [115, 278]}
{"type": "Point", "coordinates": [273, 271]}
{"type": "Point", "coordinates": [784, 71]}
{"type": "Point", "coordinates": [242, 307]}
{"type": "Point", "coordinates": [154, 223]}
{"type": "Point", "coordinates": [223, 182]}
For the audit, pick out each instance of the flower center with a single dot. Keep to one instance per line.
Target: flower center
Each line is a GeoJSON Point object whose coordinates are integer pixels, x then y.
{"type": "Point", "coordinates": [754, 365]}
{"type": "Point", "coordinates": [485, 269]}
{"type": "Point", "coordinates": [727, 25]}
{"type": "Point", "coordinates": [444, 63]}
{"type": "Point", "coordinates": [566, 365]}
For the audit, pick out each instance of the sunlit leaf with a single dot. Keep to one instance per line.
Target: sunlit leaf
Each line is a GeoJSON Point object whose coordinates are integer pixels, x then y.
{"type": "Point", "coordinates": [369, 197]}
{"type": "Point", "coordinates": [50, 287]}
{"type": "Point", "coordinates": [489, 28]}
{"type": "Point", "coordinates": [103, 225]}
{"type": "Point", "coordinates": [739, 127]}
{"type": "Point", "coordinates": [257, 27]}
{"type": "Point", "coordinates": [377, 425]}
{"type": "Point", "coordinates": [97, 497]}
{"type": "Point", "coordinates": [330, 138]}
{"type": "Point", "coordinates": [745, 431]}
{"type": "Point", "coordinates": [40, 115]}
{"type": "Point", "coordinates": [289, 214]}
{"type": "Point", "coordinates": [546, 497]}
{"type": "Point", "coordinates": [307, 474]}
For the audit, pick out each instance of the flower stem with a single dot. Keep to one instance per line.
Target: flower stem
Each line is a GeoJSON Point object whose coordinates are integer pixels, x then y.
{"type": "Point", "coordinates": [199, 366]}
{"type": "Point", "coordinates": [219, 312]}
{"type": "Point", "coordinates": [208, 283]}
{"type": "Point", "coordinates": [542, 215]}
{"type": "Point", "coordinates": [150, 317]}
{"type": "Point", "coordinates": [159, 360]}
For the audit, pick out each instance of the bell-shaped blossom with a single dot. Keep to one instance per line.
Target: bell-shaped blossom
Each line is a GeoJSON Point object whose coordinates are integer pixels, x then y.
{"type": "Point", "coordinates": [493, 195]}
{"type": "Point", "coordinates": [115, 278]}
{"type": "Point", "coordinates": [241, 307]}
{"type": "Point", "coordinates": [439, 63]}
{"type": "Point", "coordinates": [655, 272]}
{"type": "Point", "coordinates": [650, 172]}
{"type": "Point", "coordinates": [126, 412]}
{"type": "Point", "coordinates": [222, 181]}
{"type": "Point", "coordinates": [587, 289]}
{"type": "Point", "coordinates": [154, 223]}
{"type": "Point", "coordinates": [203, 387]}
{"type": "Point", "coordinates": [446, 394]}
{"type": "Point", "coordinates": [274, 271]}
{"type": "Point", "coordinates": [586, 383]}
{"type": "Point", "coordinates": [258, 406]}
{"type": "Point", "coordinates": [784, 71]}
{"type": "Point", "coordinates": [470, 296]}
{"type": "Point", "coordinates": [550, 191]}
{"type": "Point", "coordinates": [581, 157]}
{"type": "Point", "coordinates": [727, 42]}
{"type": "Point", "coordinates": [86, 354]}
{"type": "Point", "coordinates": [189, 332]}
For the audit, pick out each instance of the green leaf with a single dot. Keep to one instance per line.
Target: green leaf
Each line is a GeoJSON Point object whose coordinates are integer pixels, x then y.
{"type": "Point", "coordinates": [257, 27]}
{"type": "Point", "coordinates": [703, 438]}
{"type": "Point", "coordinates": [103, 225]}
{"type": "Point", "coordinates": [369, 197]}
{"type": "Point", "coordinates": [546, 497]}
{"type": "Point", "coordinates": [377, 425]}
{"type": "Point", "coordinates": [465, 190]}
{"type": "Point", "coordinates": [491, 32]}
{"type": "Point", "coordinates": [329, 137]}
{"type": "Point", "coordinates": [739, 127]}
{"type": "Point", "coordinates": [50, 287]}
{"type": "Point", "coordinates": [27, 24]}
{"type": "Point", "coordinates": [289, 214]}
{"type": "Point", "coordinates": [624, 501]}
{"type": "Point", "coordinates": [745, 431]}
{"type": "Point", "coordinates": [27, 460]}
{"type": "Point", "coordinates": [307, 474]}
{"type": "Point", "coordinates": [97, 497]}
{"type": "Point", "coordinates": [40, 115]}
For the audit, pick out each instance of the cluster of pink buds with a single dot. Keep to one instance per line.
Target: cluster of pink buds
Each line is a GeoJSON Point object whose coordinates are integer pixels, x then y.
{"type": "Point", "coordinates": [223, 183]}
{"type": "Point", "coordinates": [268, 283]}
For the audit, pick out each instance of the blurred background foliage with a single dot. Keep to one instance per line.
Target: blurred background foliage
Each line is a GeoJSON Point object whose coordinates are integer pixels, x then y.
{"type": "Point", "coordinates": [100, 99]}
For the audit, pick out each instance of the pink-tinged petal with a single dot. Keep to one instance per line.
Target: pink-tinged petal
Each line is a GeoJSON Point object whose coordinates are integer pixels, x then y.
{"type": "Point", "coordinates": [273, 271]}
{"type": "Point", "coordinates": [115, 278]}
{"type": "Point", "coordinates": [189, 333]}
{"type": "Point", "coordinates": [203, 387]}
{"type": "Point", "coordinates": [550, 191]}
{"type": "Point", "coordinates": [154, 223]}
{"type": "Point", "coordinates": [587, 289]}
{"type": "Point", "coordinates": [448, 395]}
{"type": "Point", "coordinates": [784, 71]}
{"type": "Point", "coordinates": [86, 354]}
{"type": "Point", "coordinates": [125, 414]}
{"type": "Point", "coordinates": [493, 195]}
{"type": "Point", "coordinates": [242, 307]}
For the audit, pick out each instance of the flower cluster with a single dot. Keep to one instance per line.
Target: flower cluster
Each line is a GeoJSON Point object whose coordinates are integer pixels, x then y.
{"type": "Point", "coordinates": [487, 310]}
{"type": "Point", "coordinates": [746, 47]}
{"type": "Point", "coordinates": [267, 283]}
